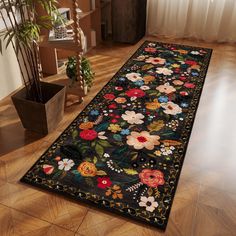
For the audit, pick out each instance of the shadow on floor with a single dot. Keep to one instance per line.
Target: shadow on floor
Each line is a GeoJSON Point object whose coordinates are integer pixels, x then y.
{"type": "Point", "coordinates": [14, 136]}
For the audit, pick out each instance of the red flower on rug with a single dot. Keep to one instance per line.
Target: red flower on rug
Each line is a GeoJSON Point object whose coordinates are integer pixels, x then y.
{"type": "Point", "coordinates": [48, 169]}
{"type": "Point", "coordinates": [190, 62]}
{"type": "Point", "coordinates": [135, 93]}
{"type": "Point", "coordinates": [112, 106]}
{"type": "Point", "coordinates": [189, 85]}
{"type": "Point", "coordinates": [152, 178]}
{"type": "Point", "coordinates": [104, 182]}
{"type": "Point", "coordinates": [109, 96]}
{"type": "Point", "coordinates": [183, 93]}
{"type": "Point", "coordinates": [88, 134]}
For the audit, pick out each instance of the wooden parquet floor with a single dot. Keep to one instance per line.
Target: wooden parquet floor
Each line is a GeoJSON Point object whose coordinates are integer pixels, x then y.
{"type": "Point", "coordinates": [205, 201]}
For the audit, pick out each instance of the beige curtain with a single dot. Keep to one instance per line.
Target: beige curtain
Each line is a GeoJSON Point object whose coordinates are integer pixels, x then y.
{"type": "Point", "coordinates": [210, 20]}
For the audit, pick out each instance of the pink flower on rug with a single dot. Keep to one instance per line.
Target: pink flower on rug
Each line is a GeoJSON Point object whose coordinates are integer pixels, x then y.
{"type": "Point", "coordinates": [152, 178]}
{"type": "Point", "coordinates": [156, 60]}
{"type": "Point", "coordinates": [133, 118]}
{"type": "Point", "coordinates": [152, 50]}
{"type": "Point", "coordinates": [143, 140]}
{"type": "Point", "coordinates": [134, 77]}
{"type": "Point", "coordinates": [178, 82]}
{"type": "Point", "coordinates": [166, 88]}
{"type": "Point", "coordinates": [171, 108]}
{"type": "Point", "coordinates": [135, 93]}
{"type": "Point", "coordinates": [164, 71]}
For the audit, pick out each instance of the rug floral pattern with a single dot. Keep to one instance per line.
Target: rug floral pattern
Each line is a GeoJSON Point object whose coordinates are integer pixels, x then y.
{"type": "Point", "coordinates": [125, 151]}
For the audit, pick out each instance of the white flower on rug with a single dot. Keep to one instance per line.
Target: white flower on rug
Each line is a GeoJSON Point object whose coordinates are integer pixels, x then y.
{"type": "Point", "coordinates": [164, 71]}
{"type": "Point", "coordinates": [166, 88]}
{"type": "Point", "coordinates": [143, 140]}
{"type": "Point", "coordinates": [151, 44]}
{"type": "Point", "coordinates": [133, 118]}
{"type": "Point", "coordinates": [166, 150]}
{"type": "Point", "coordinates": [195, 52]}
{"type": "Point", "coordinates": [65, 164]}
{"type": "Point", "coordinates": [145, 87]}
{"type": "Point", "coordinates": [171, 108]}
{"type": "Point", "coordinates": [156, 60]}
{"type": "Point", "coordinates": [140, 58]}
{"type": "Point", "coordinates": [134, 77]}
{"type": "Point", "coordinates": [149, 203]}
{"type": "Point", "coordinates": [101, 135]}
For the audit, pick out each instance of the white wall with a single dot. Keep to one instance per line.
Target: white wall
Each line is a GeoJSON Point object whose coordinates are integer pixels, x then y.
{"type": "Point", "coordinates": [10, 77]}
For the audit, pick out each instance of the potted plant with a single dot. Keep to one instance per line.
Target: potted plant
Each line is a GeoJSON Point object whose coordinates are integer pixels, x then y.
{"type": "Point", "coordinates": [40, 105]}
{"type": "Point", "coordinates": [60, 30]}
{"type": "Point", "coordinates": [86, 70]}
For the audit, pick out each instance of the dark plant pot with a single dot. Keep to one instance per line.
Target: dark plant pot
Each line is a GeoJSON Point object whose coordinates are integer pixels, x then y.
{"type": "Point", "coordinates": [41, 117]}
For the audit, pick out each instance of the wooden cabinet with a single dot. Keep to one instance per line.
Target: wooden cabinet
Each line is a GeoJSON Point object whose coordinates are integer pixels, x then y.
{"type": "Point", "coordinates": [89, 22]}
{"type": "Point", "coordinates": [128, 20]}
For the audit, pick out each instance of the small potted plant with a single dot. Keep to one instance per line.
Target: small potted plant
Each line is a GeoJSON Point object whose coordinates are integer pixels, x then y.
{"type": "Point", "coordinates": [86, 70]}
{"type": "Point", "coordinates": [60, 30]}
{"type": "Point", "coordinates": [40, 105]}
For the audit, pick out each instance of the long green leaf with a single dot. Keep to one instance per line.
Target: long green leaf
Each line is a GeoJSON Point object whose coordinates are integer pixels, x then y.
{"type": "Point", "coordinates": [9, 39]}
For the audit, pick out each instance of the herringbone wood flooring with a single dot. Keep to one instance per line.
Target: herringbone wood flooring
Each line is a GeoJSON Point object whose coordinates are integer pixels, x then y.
{"type": "Point", "coordinates": [205, 201]}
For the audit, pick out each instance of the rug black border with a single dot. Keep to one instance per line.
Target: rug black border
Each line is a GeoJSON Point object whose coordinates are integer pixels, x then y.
{"type": "Point", "coordinates": [113, 210]}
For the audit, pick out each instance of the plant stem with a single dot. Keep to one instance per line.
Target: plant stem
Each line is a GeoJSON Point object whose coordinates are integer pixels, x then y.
{"type": "Point", "coordinates": [34, 82]}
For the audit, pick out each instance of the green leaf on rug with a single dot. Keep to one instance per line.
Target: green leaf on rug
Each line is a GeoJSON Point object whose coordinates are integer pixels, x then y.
{"type": "Point", "coordinates": [99, 150]}
{"type": "Point", "coordinates": [171, 143]}
{"type": "Point", "coordinates": [104, 143]}
{"type": "Point", "coordinates": [101, 172]}
{"type": "Point", "coordinates": [95, 160]}
{"type": "Point", "coordinates": [121, 150]}
{"type": "Point", "coordinates": [134, 156]}
{"type": "Point", "coordinates": [75, 134]}
{"type": "Point", "coordinates": [130, 171]}
{"type": "Point", "coordinates": [157, 193]}
{"type": "Point", "coordinates": [156, 125]}
{"type": "Point", "coordinates": [150, 191]}
{"type": "Point", "coordinates": [76, 172]}
{"type": "Point", "coordinates": [117, 137]}
{"type": "Point", "coordinates": [102, 127]}
{"type": "Point", "coordinates": [147, 67]}
{"type": "Point", "coordinates": [123, 124]}
{"type": "Point", "coordinates": [151, 155]}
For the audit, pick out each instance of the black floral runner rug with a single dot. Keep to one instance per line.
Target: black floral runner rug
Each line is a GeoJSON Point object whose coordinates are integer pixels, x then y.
{"type": "Point", "coordinates": [125, 150]}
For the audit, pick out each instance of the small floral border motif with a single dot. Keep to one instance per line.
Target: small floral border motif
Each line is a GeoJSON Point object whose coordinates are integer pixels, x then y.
{"type": "Point", "coordinates": [125, 150]}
